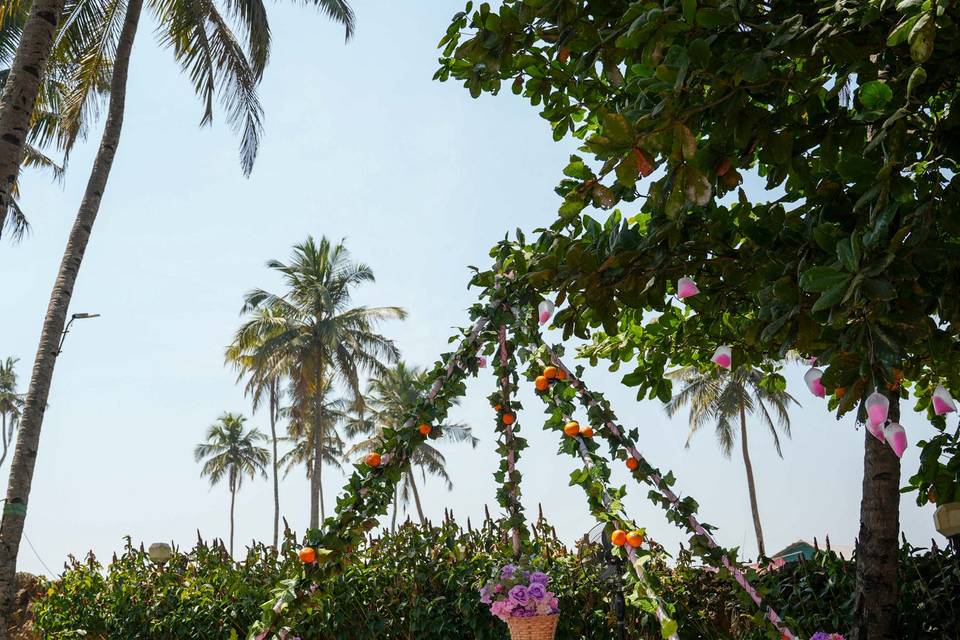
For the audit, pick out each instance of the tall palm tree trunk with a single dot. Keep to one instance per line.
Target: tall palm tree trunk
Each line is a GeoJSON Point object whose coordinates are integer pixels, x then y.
{"type": "Point", "coordinates": [875, 608]}
{"type": "Point", "coordinates": [233, 500]}
{"type": "Point", "coordinates": [5, 443]}
{"type": "Point", "coordinates": [316, 485]}
{"type": "Point", "coordinates": [21, 90]}
{"type": "Point", "coordinates": [276, 477]}
{"type": "Point", "coordinates": [751, 486]}
{"type": "Point", "coordinates": [25, 452]}
{"type": "Point", "coordinates": [416, 497]}
{"type": "Point", "coordinates": [396, 500]}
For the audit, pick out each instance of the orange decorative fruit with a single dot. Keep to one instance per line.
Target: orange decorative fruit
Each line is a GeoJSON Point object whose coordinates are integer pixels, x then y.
{"type": "Point", "coordinates": [372, 460]}
{"type": "Point", "coordinates": [572, 429]}
{"type": "Point", "coordinates": [308, 555]}
{"type": "Point", "coordinates": [586, 432]}
{"type": "Point", "coordinates": [425, 429]}
{"type": "Point", "coordinates": [561, 374]}
{"type": "Point", "coordinates": [619, 537]}
{"type": "Point", "coordinates": [509, 418]}
{"type": "Point", "coordinates": [541, 383]}
{"type": "Point", "coordinates": [550, 372]}
{"type": "Point", "coordinates": [632, 464]}
{"type": "Point", "coordinates": [634, 539]}
{"type": "Point", "coordinates": [497, 407]}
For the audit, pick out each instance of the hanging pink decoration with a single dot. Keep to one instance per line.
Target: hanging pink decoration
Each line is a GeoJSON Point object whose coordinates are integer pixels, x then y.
{"type": "Point", "coordinates": [545, 310]}
{"type": "Point", "coordinates": [686, 288]}
{"type": "Point", "coordinates": [481, 362]}
{"type": "Point", "coordinates": [896, 437]}
{"type": "Point", "coordinates": [812, 378]}
{"type": "Point", "coordinates": [876, 430]}
{"type": "Point", "coordinates": [943, 401]}
{"type": "Point", "coordinates": [723, 357]}
{"type": "Point", "coordinates": [877, 407]}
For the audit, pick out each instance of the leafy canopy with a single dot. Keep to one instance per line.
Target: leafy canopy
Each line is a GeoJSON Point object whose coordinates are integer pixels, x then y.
{"type": "Point", "coordinates": [843, 108]}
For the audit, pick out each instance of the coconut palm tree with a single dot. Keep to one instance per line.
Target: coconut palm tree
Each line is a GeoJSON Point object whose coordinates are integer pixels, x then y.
{"type": "Point", "coordinates": [32, 36]}
{"type": "Point", "coordinates": [300, 433]}
{"type": "Point", "coordinates": [11, 403]}
{"type": "Point", "coordinates": [723, 398]}
{"type": "Point", "coordinates": [262, 386]}
{"type": "Point", "coordinates": [317, 335]}
{"type": "Point", "coordinates": [96, 41]}
{"type": "Point", "coordinates": [390, 398]}
{"type": "Point", "coordinates": [232, 453]}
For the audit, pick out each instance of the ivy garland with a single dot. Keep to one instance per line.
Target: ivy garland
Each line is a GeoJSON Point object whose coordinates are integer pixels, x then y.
{"type": "Point", "coordinates": [369, 490]}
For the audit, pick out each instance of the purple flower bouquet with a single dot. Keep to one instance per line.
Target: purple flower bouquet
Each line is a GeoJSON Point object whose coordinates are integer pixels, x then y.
{"type": "Point", "coordinates": [521, 598]}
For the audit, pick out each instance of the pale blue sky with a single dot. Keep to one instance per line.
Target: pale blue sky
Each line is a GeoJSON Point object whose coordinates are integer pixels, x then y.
{"type": "Point", "coordinates": [420, 179]}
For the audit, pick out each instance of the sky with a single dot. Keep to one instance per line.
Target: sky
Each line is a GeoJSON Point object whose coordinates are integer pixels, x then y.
{"type": "Point", "coordinates": [420, 180]}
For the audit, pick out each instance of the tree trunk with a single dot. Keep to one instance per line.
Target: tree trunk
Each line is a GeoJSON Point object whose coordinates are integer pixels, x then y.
{"type": "Point", "coordinates": [416, 498]}
{"type": "Point", "coordinates": [875, 608]}
{"type": "Point", "coordinates": [751, 486]}
{"type": "Point", "coordinates": [276, 477]}
{"type": "Point", "coordinates": [316, 486]}
{"type": "Point", "coordinates": [233, 498]}
{"type": "Point", "coordinates": [21, 90]}
{"type": "Point", "coordinates": [5, 444]}
{"type": "Point", "coordinates": [25, 452]}
{"type": "Point", "coordinates": [396, 500]}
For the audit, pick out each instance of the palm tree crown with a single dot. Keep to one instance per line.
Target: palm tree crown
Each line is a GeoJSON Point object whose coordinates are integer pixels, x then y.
{"type": "Point", "coordinates": [233, 453]}
{"type": "Point", "coordinates": [391, 396]}
{"type": "Point", "coordinates": [722, 398]}
{"type": "Point", "coordinates": [316, 336]}
{"type": "Point", "coordinates": [11, 403]}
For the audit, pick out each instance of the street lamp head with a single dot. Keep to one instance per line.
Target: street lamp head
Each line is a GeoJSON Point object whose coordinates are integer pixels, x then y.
{"type": "Point", "coordinates": [83, 316]}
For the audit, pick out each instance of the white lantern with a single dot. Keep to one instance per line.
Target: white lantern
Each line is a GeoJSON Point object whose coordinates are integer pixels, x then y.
{"type": "Point", "coordinates": [160, 552]}
{"type": "Point", "coordinates": [723, 357]}
{"type": "Point", "coordinates": [686, 288]}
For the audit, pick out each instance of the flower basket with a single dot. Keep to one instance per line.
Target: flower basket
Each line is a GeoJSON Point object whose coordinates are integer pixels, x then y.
{"type": "Point", "coordinates": [533, 628]}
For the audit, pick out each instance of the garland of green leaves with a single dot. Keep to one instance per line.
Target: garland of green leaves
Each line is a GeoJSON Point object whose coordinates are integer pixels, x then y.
{"type": "Point", "coordinates": [369, 490]}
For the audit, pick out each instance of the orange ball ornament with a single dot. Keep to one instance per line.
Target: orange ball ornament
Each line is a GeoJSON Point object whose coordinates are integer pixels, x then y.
{"type": "Point", "coordinates": [632, 464]}
{"type": "Point", "coordinates": [634, 539]}
{"type": "Point", "coordinates": [586, 432]}
{"type": "Point", "coordinates": [509, 419]}
{"type": "Point", "coordinates": [425, 429]}
{"type": "Point", "coordinates": [619, 537]}
{"type": "Point", "coordinates": [372, 460]}
{"type": "Point", "coordinates": [308, 555]}
{"type": "Point", "coordinates": [551, 372]}
{"type": "Point", "coordinates": [541, 383]}
{"type": "Point", "coordinates": [561, 374]}
{"type": "Point", "coordinates": [572, 429]}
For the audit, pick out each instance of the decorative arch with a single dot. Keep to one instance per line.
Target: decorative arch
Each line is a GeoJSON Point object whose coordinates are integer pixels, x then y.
{"type": "Point", "coordinates": [505, 329]}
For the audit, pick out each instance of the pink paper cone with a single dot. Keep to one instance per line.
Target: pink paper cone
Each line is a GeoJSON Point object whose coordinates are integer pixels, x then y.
{"type": "Point", "coordinates": [896, 437]}
{"type": "Point", "coordinates": [943, 401]}
{"type": "Point", "coordinates": [544, 311]}
{"type": "Point", "coordinates": [812, 378]}
{"type": "Point", "coordinates": [877, 407]}
{"type": "Point", "coordinates": [686, 288]}
{"type": "Point", "coordinates": [723, 357]}
{"type": "Point", "coordinates": [876, 430]}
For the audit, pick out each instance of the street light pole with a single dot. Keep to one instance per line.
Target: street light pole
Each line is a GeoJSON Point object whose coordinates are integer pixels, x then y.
{"type": "Point", "coordinates": [66, 329]}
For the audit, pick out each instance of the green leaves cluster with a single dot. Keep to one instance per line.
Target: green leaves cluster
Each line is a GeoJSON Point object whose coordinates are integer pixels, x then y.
{"type": "Point", "coordinates": [847, 114]}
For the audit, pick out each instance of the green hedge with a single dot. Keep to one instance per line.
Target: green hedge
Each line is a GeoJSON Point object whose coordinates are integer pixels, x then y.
{"type": "Point", "coordinates": [422, 584]}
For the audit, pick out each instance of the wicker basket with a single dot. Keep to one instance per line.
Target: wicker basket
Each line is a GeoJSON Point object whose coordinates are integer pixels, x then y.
{"type": "Point", "coordinates": [535, 628]}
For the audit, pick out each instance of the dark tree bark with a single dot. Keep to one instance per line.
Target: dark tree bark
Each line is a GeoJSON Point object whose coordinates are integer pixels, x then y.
{"type": "Point", "coordinates": [276, 477]}
{"type": "Point", "coordinates": [416, 497]}
{"type": "Point", "coordinates": [875, 609]}
{"type": "Point", "coordinates": [21, 90]}
{"type": "Point", "coordinates": [25, 452]}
